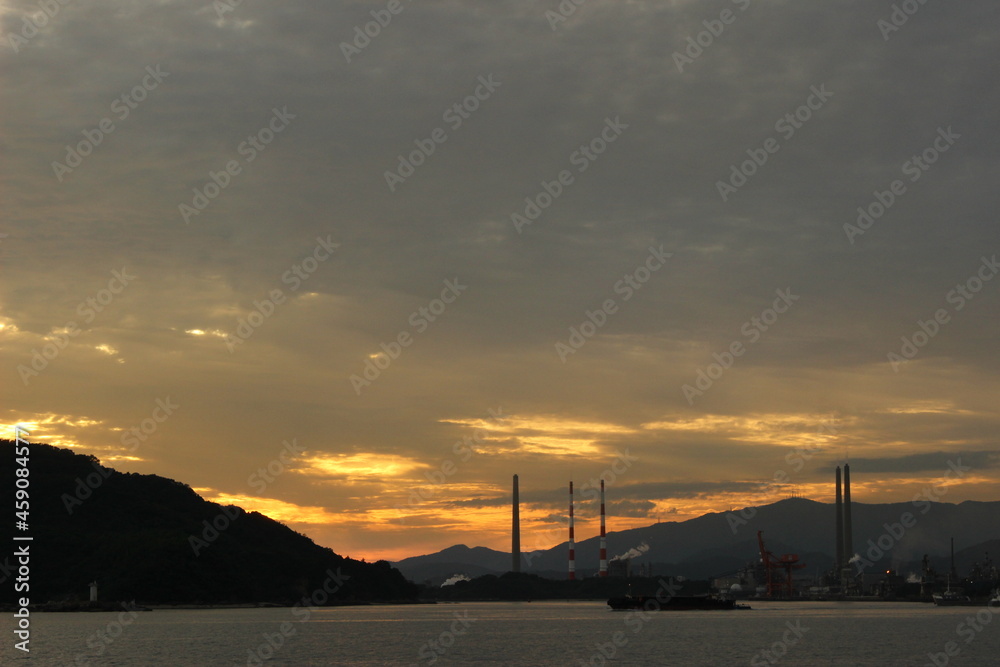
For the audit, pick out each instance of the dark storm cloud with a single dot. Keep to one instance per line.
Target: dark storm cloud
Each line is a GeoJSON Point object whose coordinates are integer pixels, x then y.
{"type": "Point", "coordinates": [668, 490]}
{"type": "Point", "coordinates": [933, 462]}
{"type": "Point", "coordinates": [636, 508]}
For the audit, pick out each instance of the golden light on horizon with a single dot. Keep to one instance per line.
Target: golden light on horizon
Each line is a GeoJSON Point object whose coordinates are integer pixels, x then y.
{"type": "Point", "coordinates": [206, 332]}
{"type": "Point", "coordinates": [546, 434]}
{"type": "Point", "coordinates": [559, 446]}
{"type": "Point", "coordinates": [356, 465]}
{"type": "Point", "coordinates": [52, 428]}
{"type": "Point", "coordinates": [400, 505]}
{"type": "Point", "coordinates": [786, 430]}
{"type": "Point", "coordinates": [122, 457]}
{"type": "Point", "coordinates": [474, 515]}
{"type": "Point", "coordinates": [279, 510]}
{"type": "Point", "coordinates": [928, 407]}
{"type": "Point", "coordinates": [514, 424]}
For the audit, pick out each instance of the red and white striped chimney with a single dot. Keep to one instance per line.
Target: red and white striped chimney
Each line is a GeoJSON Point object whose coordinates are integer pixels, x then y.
{"type": "Point", "coordinates": [572, 549]}
{"type": "Point", "coordinates": [604, 541]}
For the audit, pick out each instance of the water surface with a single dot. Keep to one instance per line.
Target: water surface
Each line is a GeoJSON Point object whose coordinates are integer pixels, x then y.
{"type": "Point", "coordinates": [537, 633]}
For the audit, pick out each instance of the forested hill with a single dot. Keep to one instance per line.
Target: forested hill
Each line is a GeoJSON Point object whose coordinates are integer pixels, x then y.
{"type": "Point", "coordinates": [145, 537]}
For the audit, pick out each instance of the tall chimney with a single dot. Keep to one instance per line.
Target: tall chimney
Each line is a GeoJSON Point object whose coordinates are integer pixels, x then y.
{"type": "Point", "coordinates": [840, 527]}
{"type": "Point", "coordinates": [572, 549]}
{"type": "Point", "coordinates": [848, 538]}
{"type": "Point", "coordinates": [604, 540]}
{"type": "Point", "coordinates": [953, 573]}
{"type": "Point", "coordinates": [515, 532]}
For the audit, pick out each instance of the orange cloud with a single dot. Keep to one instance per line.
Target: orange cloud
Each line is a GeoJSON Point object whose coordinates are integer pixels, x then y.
{"type": "Point", "coordinates": [357, 466]}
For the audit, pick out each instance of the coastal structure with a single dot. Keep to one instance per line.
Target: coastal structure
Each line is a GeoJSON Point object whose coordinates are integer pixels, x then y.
{"type": "Point", "coordinates": [515, 532]}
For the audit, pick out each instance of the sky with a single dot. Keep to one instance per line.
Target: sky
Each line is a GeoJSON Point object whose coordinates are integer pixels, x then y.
{"type": "Point", "coordinates": [355, 264]}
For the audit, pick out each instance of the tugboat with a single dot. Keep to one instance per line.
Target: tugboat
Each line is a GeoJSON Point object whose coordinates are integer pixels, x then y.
{"type": "Point", "coordinates": [951, 598]}
{"type": "Point", "coordinates": [672, 603]}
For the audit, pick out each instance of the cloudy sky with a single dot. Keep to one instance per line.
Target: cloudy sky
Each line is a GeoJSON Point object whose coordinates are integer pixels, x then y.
{"type": "Point", "coordinates": [492, 238]}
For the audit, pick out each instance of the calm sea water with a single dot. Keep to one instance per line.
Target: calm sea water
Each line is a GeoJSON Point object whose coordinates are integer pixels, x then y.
{"type": "Point", "coordinates": [538, 633]}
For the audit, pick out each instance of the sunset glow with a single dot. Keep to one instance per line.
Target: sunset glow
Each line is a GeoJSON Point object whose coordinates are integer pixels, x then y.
{"type": "Point", "coordinates": [317, 285]}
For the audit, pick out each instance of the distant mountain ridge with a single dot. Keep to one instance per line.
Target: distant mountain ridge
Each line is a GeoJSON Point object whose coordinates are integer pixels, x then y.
{"type": "Point", "coordinates": [718, 543]}
{"type": "Point", "coordinates": [154, 540]}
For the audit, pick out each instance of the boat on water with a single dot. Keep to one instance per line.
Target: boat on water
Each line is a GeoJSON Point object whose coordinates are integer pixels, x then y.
{"type": "Point", "coordinates": [951, 598]}
{"type": "Point", "coordinates": [673, 603]}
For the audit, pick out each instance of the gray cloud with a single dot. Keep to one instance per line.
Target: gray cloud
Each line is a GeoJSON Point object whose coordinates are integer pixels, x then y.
{"type": "Point", "coordinates": [656, 184]}
{"type": "Point", "coordinates": [934, 462]}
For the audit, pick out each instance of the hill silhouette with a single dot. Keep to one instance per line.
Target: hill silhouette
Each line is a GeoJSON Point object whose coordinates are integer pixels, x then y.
{"type": "Point", "coordinates": [154, 540]}
{"type": "Point", "coordinates": [720, 543]}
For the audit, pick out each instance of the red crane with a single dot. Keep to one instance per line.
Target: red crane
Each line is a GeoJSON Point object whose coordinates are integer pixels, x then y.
{"type": "Point", "coordinates": [787, 562]}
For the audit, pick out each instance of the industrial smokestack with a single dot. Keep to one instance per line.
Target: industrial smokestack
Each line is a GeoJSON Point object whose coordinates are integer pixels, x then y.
{"type": "Point", "coordinates": [840, 527]}
{"type": "Point", "coordinates": [604, 541]}
{"type": "Point", "coordinates": [848, 535]}
{"type": "Point", "coordinates": [572, 549]}
{"type": "Point", "coordinates": [953, 573]}
{"type": "Point", "coordinates": [515, 532]}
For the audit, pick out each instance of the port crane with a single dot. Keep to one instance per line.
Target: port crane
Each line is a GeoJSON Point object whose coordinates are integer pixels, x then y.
{"type": "Point", "coordinates": [772, 566]}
